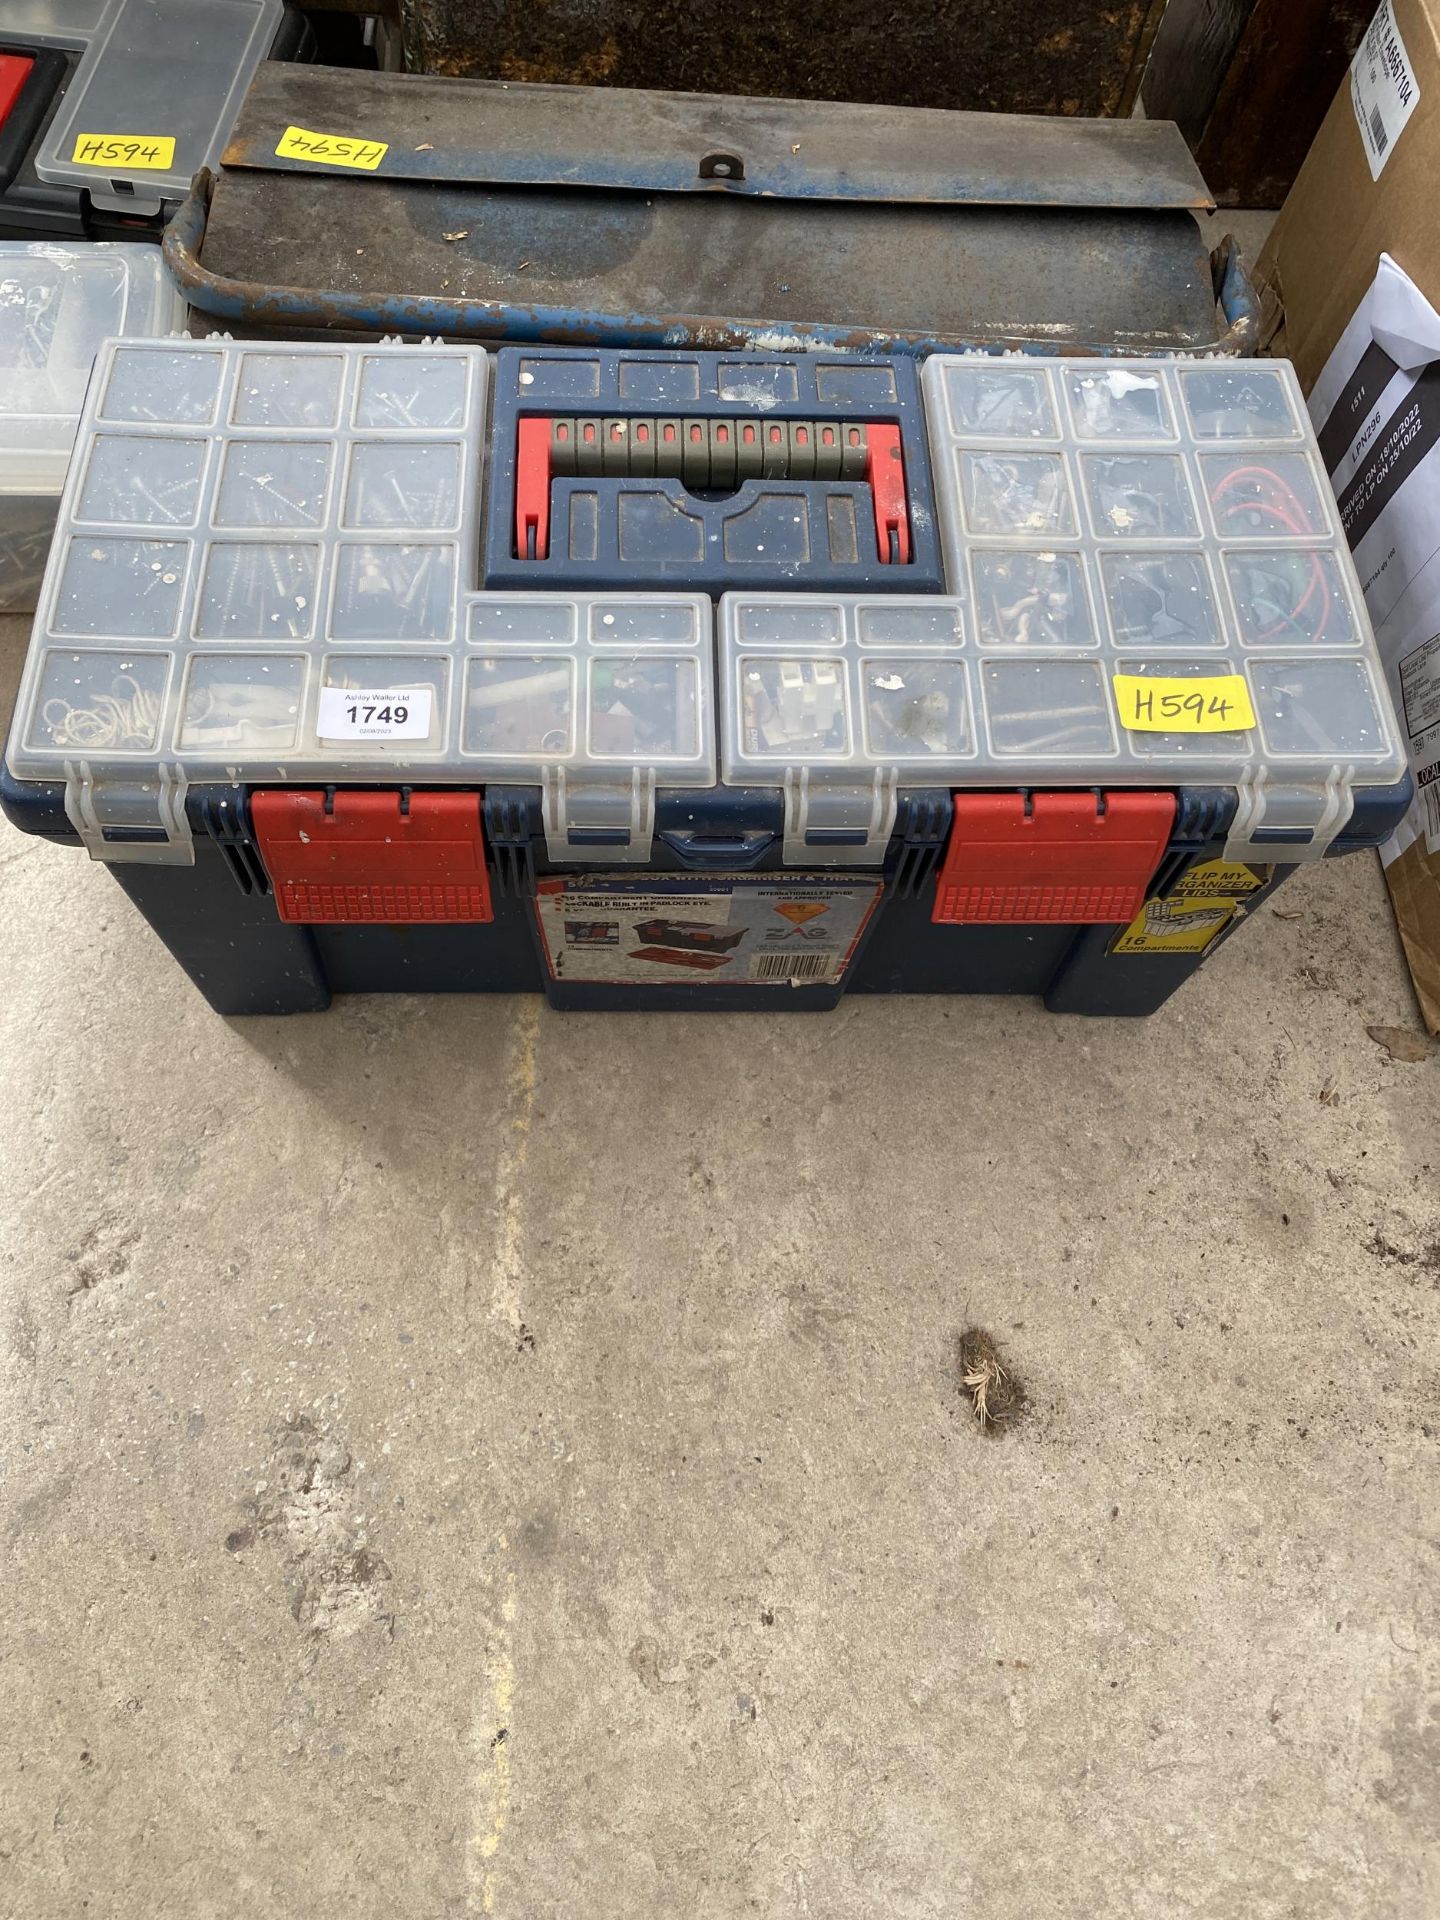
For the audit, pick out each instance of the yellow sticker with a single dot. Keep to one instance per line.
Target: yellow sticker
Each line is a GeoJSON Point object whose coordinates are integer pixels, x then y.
{"type": "Point", "coordinates": [1218, 704]}
{"type": "Point", "coordinates": [1176, 924]}
{"type": "Point", "coordinates": [332, 149]}
{"type": "Point", "coordinates": [125, 152]}
{"type": "Point", "coordinates": [1214, 877]}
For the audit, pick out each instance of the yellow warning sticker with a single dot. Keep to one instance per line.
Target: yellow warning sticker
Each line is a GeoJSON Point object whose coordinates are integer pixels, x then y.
{"type": "Point", "coordinates": [125, 152]}
{"type": "Point", "coordinates": [332, 149]}
{"type": "Point", "coordinates": [1220, 703]}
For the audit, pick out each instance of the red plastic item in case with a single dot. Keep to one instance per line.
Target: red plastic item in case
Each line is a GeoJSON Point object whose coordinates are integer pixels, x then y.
{"type": "Point", "coordinates": [15, 70]}
{"type": "Point", "coordinates": [532, 490]}
{"type": "Point", "coordinates": [885, 470]}
{"type": "Point", "coordinates": [1055, 858]}
{"type": "Point", "coordinates": [376, 857]}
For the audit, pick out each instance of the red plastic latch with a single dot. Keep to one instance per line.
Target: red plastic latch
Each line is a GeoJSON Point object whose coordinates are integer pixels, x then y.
{"type": "Point", "coordinates": [15, 70]}
{"type": "Point", "coordinates": [885, 471]}
{"type": "Point", "coordinates": [370, 857]}
{"type": "Point", "coordinates": [532, 490]}
{"type": "Point", "coordinates": [1063, 858]}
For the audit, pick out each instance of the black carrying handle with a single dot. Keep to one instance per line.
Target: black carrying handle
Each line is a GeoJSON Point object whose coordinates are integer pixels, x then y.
{"type": "Point", "coordinates": [719, 853]}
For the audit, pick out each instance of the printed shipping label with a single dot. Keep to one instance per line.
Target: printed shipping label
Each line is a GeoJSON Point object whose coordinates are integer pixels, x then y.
{"type": "Point", "coordinates": [1420, 701]}
{"type": "Point", "coordinates": [377, 713]}
{"type": "Point", "coordinates": [1383, 89]}
{"type": "Point", "coordinates": [1420, 689]}
{"type": "Point", "coordinates": [756, 929]}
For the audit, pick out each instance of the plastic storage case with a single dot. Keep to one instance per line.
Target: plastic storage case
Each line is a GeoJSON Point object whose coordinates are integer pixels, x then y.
{"type": "Point", "coordinates": [318, 761]}
{"type": "Point", "coordinates": [157, 89]}
{"type": "Point", "coordinates": [57, 305]}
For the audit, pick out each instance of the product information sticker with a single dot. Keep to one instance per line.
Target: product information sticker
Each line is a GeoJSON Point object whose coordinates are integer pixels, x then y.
{"type": "Point", "coordinates": [756, 929]}
{"type": "Point", "coordinates": [1195, 912]}
{"type": "Point", "coordinates": [1383, 89]}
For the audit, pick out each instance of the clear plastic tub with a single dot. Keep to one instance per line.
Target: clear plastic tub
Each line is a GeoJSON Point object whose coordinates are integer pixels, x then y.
{"type": "Point", "coordinates": [1032, 599]}
{"type": "Point", "coordinates": [989, 400]}
{"type": "Point", "coordinates": [1139, 496]}
{"type": "Point", "coordinates": [57, 304]}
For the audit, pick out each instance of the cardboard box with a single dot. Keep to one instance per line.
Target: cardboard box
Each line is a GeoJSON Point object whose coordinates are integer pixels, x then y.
{"type": "Point", "coordinates": [1350, 279]}
{"type": "Point", "coordinates": [1342, 214]}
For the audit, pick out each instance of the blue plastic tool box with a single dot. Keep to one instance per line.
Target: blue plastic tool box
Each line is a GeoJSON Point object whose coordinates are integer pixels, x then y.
{"type": "Point", "coordinates": [1064, 670]}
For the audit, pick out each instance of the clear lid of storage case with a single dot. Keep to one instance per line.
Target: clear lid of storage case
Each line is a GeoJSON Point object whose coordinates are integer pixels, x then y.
{"type": "Point", "coordinates": [1151, 585]}
{"type": "Point", "coordinates": [264, 570]}
{"type": "Point", "coordinates": [155, 95]}
{"type": "Point", "coordinates": [243, 528]}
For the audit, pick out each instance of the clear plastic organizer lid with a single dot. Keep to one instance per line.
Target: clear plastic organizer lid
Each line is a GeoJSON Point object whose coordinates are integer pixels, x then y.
{"type": "Point", "coordinates": [248, 536]}
{"type": "Point", "coordinates": [155, 95]}
{"type": "Point", "coordinates": [1163, 519]}
{"type": "Point", "coordinates": [57, 304]}
{"type": "Point", "coordinates": [1005, 692]}
{"type": "Point", "coordinates": [598, 684]}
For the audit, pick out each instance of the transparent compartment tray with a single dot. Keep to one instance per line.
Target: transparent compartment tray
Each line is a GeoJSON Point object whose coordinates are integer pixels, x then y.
{"type": "Point", "coordinates": [242, 528]}
{"type": "Point", "coordinates": [597, 684]}
{"type": "Point", "coordinates": [846, 685]}
{"type": "Point", "coordinates": [151, 70]}
{"type": "Point", "coordinates": [1159, 516]}
{"type": "Point", "coordinates": [57, 304]}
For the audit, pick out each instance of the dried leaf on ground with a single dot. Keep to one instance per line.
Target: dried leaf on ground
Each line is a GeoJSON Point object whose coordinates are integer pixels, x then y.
{"type": "Point", "coordinates": [1402, 1043]}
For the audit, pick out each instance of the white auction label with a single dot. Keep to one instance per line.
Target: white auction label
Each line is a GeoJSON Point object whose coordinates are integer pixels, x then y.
{"type": "Point", "coordinates": [1383, 89]}
{"type": "Point", "coordinates": [375, 713]}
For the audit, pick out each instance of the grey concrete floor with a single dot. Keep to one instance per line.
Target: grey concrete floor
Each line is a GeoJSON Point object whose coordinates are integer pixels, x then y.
{"type": "Point", "coordinates": [459, 1459]}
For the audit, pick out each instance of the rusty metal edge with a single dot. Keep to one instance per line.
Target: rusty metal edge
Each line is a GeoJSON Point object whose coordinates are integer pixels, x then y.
{"type": "Point", "coordinates": [251, 304]}
{"type": "Point", "coordinates": [1048, 159]}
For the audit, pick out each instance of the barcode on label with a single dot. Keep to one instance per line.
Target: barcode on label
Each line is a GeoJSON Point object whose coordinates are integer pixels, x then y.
{"type": "Point", "coordinates": [1383, 88]}
{"type": "Point", "coordinates": [793, 966]}
{"type": "Point", "coordinates": [1431, 797]}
